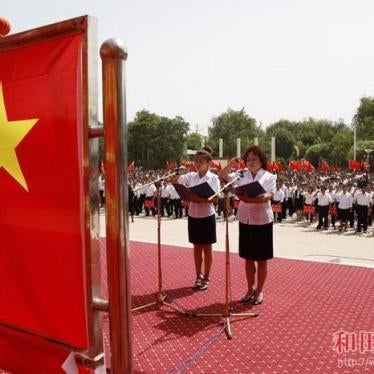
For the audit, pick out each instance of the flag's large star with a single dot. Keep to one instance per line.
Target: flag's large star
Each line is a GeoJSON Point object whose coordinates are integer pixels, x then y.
{"type": "Point", "coordinates": [11, 134]}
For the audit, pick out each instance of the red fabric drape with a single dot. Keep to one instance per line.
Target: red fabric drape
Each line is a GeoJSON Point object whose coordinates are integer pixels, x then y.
{"type": "Point", "coordinates": [42, 270]}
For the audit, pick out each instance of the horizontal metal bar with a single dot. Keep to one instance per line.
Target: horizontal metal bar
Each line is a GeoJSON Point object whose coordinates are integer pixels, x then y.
{"type": "Point", "coordinates": [95, 132]}
{"type": "Point", "coordinates": [100, 305]}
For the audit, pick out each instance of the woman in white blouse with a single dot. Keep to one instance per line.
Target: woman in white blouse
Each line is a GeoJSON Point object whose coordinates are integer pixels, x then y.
{"type": "Point", "coordinates": [255, 222]}
{"type": "Point", "coordinates": [202, 217]}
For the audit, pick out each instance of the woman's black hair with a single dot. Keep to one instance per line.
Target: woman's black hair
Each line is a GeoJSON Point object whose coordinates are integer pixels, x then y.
{"type": "Point", "coordinates": [256, 150]}
{"type": "Point", "coordinates": [205, 152]}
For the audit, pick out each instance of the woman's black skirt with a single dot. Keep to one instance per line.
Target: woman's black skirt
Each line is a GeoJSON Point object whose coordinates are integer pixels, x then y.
{"type": "Point", "coordinates": [256, 241]}
{"type": "Point", "coordinates": [202, 230]}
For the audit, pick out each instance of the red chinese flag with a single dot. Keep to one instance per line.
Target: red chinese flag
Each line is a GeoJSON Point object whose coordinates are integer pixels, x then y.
{"type": "Point", "coordinates": [42, 269]}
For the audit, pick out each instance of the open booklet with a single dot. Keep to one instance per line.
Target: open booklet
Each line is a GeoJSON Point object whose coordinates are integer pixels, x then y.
{"type": "Point", "coordinates": [202, 190]}
{"type": "Point", "coordinates": [252, 189]}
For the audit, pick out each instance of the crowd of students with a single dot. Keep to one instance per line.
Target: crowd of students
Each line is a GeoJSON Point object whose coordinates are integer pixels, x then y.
{"type": "Point", "coordinates": [339, 200]}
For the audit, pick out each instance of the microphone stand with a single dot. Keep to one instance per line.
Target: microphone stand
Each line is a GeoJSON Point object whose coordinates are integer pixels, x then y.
{"type": "Point", "coordinates": [227, 310]}
{"type": "Point", "coordinates": [160, 295]}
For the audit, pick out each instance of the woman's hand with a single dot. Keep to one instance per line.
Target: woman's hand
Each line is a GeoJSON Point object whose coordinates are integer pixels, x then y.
{"type": "Point", "coordinates": [234, 162]}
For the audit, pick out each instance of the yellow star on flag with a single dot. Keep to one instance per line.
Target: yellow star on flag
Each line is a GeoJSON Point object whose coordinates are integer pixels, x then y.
{"type": "Point", "coordinates": [11, 134]}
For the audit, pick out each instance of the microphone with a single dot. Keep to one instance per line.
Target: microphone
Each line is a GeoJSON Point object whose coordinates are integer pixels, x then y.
{"type": "Point", "coordinates": [178, 168]}
{"type": "Point", "coordinates": [241, 172]}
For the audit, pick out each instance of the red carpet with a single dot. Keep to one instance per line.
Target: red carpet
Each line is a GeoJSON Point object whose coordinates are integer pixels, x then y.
{"type": "Point", "coordinates": [305, 304]}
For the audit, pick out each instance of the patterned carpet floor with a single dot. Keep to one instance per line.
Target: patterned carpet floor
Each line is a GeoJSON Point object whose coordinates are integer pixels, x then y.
{"type": "Point", "coordinates": [316, 317]}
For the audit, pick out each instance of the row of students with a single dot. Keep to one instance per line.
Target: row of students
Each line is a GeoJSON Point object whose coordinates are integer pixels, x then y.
{"type": "Point", "coordinates": [341, 204]}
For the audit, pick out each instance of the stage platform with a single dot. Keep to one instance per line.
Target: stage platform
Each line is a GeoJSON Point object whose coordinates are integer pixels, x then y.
{"type": "Point", "coordinates": [316, 317]}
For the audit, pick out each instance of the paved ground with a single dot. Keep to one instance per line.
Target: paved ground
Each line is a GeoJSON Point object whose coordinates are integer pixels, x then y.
{"type": "Point", "coordinates": [292, 239]}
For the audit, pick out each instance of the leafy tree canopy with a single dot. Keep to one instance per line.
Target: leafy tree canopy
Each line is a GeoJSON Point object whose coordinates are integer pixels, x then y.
{"type": "Point", "coordinates": [194, 141]}
{"type": "Point", "coordinates": [229, 126]}
{"type": "Point", "coordinates": [154, 139]}
{"type": "Point", "coordinates": [317, 152]}
{"type": "Point", "coordinates": [364, 119]}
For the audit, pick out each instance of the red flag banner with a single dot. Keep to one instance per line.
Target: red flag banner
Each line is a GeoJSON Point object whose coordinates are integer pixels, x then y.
{"type": "Point", "coordinates": [295, 165]}
{"type": "Point", "coordinates": [239, 165]}
{"type": "Point", "coordinates": [42, 269]}
{"type": "Point", "coordinates": [309, 209]}
{"type": "Point", "coordinates": [215, 165]}
{"type": "Point", "coordinates": [170, 165]}
{"type": "Point", "coordinates": [324, 166]}
{"type": "Point", "coordinates": [276, 208]}
{"type": "Point", "coordinates": [306, 165]}
{"type": "Point", "coordinates": [354, 165]}
{"type": "Point", "coordinates": [188, 164]}
{"type": "Point", "coordinates": [275, 166]}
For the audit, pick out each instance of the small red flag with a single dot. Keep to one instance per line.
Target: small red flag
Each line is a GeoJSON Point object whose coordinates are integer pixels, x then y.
{"type": "Point", "coordinates": [215, 165]}
{"type": "Point", "coordinates": [131, 166]}
{"type": "Point", "coordinates": [325, 166]}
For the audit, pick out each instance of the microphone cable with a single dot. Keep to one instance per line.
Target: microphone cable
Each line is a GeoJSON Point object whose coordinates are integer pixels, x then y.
{"type": "Point", "coordinates": [198, 353]}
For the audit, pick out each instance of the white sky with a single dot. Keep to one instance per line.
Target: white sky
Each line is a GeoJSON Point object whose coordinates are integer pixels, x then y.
{"type": "Point", "coordinates": [279, 59]}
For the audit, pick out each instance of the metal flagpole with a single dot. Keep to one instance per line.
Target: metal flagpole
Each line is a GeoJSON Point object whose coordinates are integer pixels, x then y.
{"type": "Point", "coordinates": [113, 57]}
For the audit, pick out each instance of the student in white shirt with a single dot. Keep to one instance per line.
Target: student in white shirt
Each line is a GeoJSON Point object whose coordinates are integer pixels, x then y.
{"type": "Point", "coordinates": [165, 195]}
{"type": "Point", "coordinates": [175, 203]}
{"type": "Point", "coordinates": [324, 201]}
{"type": "Point", "coordinates": [278, 198]}
{"type": "Point", "coordinates": [363, 201]}
{"type": "Point", "coordinates": [255, 222]}
{"type": "Point", "coordinates": [309, 198]}
{"type": "Point", "coordinates": [202, 217]}
{"type": "Point", "coordinates": [345, 206]}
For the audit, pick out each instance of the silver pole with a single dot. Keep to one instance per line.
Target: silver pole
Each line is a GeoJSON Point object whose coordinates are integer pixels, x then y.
{"type": "Point", "coordinates": [272, 148]}
{"type": "Point", "coordinates": [220, 148]}
{"type": "Point", "coordinates": [238, 147]}
{"type": "Point", "coordinates": [255, 141]}
{"type": "Point", "coordinates": [113, 57]}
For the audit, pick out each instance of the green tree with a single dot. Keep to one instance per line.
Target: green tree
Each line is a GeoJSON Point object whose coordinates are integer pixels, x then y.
{"type": "Point", "coordinates": [284, 139]}
{"type": "Point", "coordinates": [229, 126]}
{"type": "Point", "coordinates": [193, 140]}
{"type": "Point", "coordinates": [153, 140]}
{"type": "Point", "coordinates": [360, 150]}
{"type": "Point", "coordinates": [364, 119]}
{"type": "Point", "coordinates": [317, 152]}
{"type": "Point", "coordinates": [340, 145]}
